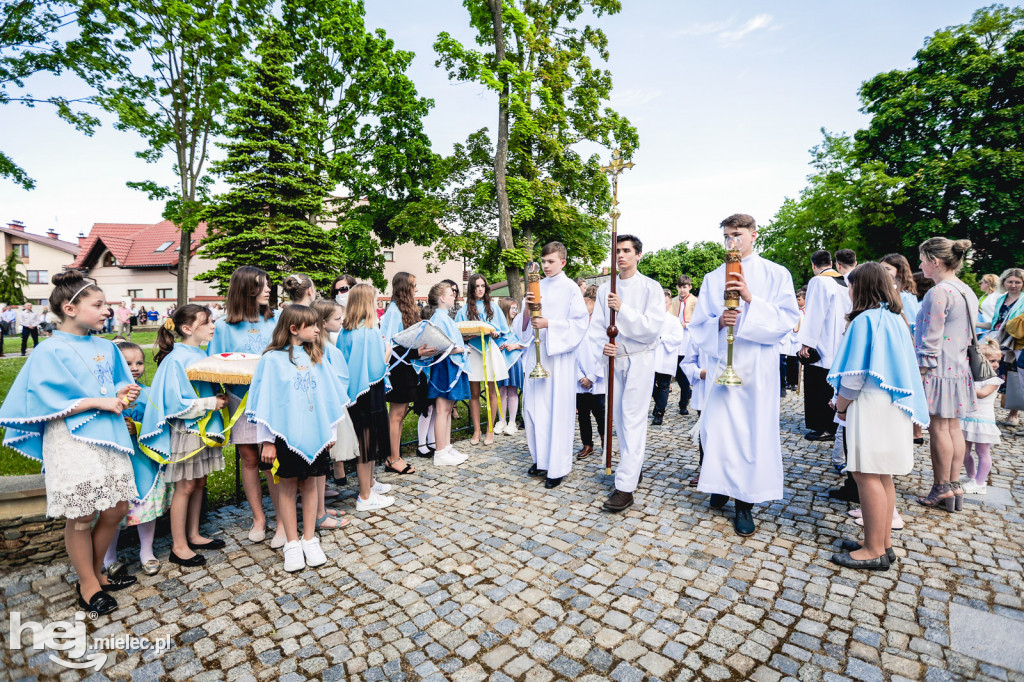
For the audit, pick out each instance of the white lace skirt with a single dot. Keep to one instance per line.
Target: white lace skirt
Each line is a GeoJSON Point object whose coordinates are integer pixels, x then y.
{"type": "Point", "coordinates": [83, 478]}
{"type": "Point", "coordinates": [347, 445]}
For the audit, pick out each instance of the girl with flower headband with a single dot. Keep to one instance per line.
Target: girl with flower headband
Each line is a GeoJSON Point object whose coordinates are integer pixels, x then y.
{"type": "Point", "coordinates": [64, 410]}
{"type": "Point", "coordinates": [184, 428]}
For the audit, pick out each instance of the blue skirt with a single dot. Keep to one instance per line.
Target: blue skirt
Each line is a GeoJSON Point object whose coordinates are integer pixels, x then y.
{"type": "Point", "coordinates": [441, 377]}
{"type": "Point", "coordinates": [516, 375]}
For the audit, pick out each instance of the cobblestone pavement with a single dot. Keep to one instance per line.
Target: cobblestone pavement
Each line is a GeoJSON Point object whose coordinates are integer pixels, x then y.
{"type": "Point", "coordinates": [480, 573]}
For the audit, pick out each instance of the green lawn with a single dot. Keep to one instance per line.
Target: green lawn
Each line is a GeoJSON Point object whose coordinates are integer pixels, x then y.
{"type": "Point", "coordinates": [220, 485]}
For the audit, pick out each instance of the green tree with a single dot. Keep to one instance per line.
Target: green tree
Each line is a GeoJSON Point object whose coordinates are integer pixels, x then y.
{"type": "Point", "coordinates": [665, 265]}
{"type": "Point", "coordinates": [174, 91]}
{"type": "Point", "coordinates": [269, 216]}
{"type": "Point", "coordinates": [12, 280]}
{"type": "Point", "coordinates": [538, 57]}
{"type": "Point", "coordinates": [34, 40]}
{"type": "Point", "coordinates": [373, 138]}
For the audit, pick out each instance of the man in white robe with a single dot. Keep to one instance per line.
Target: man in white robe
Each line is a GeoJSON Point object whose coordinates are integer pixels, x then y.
{"type": "Point", "coordinates": [740, 424]}
{"type": "Point", "coordinates": [549, 405]}
{"type": "Point", "coordinates": [640, 318]}
{"type": "Point", "coordinates": [828, 302]}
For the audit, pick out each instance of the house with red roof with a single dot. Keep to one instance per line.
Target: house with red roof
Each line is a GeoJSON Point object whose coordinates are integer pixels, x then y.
{"type": "Point", "coordinates": [41, 256]}
{"type": "Point", "coordinates": [139, 262]}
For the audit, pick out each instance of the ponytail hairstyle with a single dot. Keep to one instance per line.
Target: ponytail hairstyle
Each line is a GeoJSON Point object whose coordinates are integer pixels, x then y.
{"type": "Point", "coordinates": [436, 292]}
{"type": "Point", "coordinates": [189, 315]}
{"type": "Point", "coordinates": [68, 287]}
{"type": "Point", "coordinates": [872, 287]}
{"type": "Point", "coordinates": [948, 252]}
{"type": "Point", "coordinates": [990, 349]}
{"type": "Point", "coordinates": [471, 298]}
{"type": "Point", "coordinates": [403, 295]}
{"type": "Point", "coordinates": [325, 309]}
{"type": "Point", "coordinates": [904, 275]}
{"type": "Point", "coordinates": [296, 286]}
{"type": "Point", "coordinates": [301, 316]}
{"type": "Point", "coordinates": [245, 286]}
{"type": "Point", "coordinates": [360, 311]}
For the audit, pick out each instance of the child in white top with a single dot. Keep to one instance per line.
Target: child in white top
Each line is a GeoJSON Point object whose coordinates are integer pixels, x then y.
{"type": "Point", "coordinates": [979, 426]}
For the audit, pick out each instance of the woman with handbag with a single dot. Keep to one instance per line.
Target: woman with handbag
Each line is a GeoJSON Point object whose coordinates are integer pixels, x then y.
{"type": "Point", "coordinates": [944, 330]}
{"type": "Point", "coordinates": [1008, 306]}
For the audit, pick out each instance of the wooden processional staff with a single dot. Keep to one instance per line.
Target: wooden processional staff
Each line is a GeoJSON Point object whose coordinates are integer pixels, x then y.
{"type": "Point", "coordinates": [614, 168]}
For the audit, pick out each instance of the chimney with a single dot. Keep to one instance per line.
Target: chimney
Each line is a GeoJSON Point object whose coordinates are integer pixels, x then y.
{"type": "Point", "coordinates": [81, 238]}
{"type": "Point", "coordinates": [16, 225]}
{"type": "Point", "coordinates": [52, 234]}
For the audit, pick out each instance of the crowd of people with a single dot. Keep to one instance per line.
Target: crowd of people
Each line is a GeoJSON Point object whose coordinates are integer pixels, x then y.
{"type": "Point", "coordinates": [336, 379]}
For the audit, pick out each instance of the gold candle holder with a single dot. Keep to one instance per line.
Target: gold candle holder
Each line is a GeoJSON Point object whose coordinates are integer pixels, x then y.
{"type": "Point", "coordinates": [733, 265]}
{"type": "Point", "coordinates": [533, 286]}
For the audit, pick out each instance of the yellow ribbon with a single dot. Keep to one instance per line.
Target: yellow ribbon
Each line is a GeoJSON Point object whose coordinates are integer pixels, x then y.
{"type": "Point", "coordinates": [206, 441]}
{"type": "Point", "coordinates": [484, 340]}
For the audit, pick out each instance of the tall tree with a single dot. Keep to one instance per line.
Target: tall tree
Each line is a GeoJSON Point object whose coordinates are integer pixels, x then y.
{"type": "Point", "coordinates": [665, 265]}
{"type": "Point", "coordinates": [174, 91]}
{"type": "Point", "coordinates": [269, 216]}
{"type": "Point", "coordinates": [12, 280]}
{"type": "Point", "coordinates": [35, 39]}
{"type": "Point", "coordinates": [539, 60]}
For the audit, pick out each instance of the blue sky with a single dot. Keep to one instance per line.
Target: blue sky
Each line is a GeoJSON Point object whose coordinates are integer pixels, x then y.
{"type": "Point", "coordinates": [728, 98]}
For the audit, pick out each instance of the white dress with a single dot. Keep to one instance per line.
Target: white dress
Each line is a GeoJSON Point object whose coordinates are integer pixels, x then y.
{"type": "Point", "coordinates": [83, 478]}
{"type": "Point", "coordinates": [879, 435]}
{"type": "Point", "coordinates": [980, 425]}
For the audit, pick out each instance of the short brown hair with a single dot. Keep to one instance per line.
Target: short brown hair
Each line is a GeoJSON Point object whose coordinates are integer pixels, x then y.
{"type": "Point", "coordinates": [683, 280]}
{"type": "Point", "coordinates": [555, 247]}
{"type": "Point", "coordinates": [740, 220]}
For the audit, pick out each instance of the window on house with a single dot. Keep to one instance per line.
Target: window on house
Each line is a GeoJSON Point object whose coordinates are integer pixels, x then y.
{"type": "Point", "coordinates": [38, 277]}
{"type": "Point", "coordinates": [135, 293]}
{"type": "Point", "coordinates": [389, 256]}
{"type": "Point", "coordinates": [109, 261]}
{"type": "Point", "coordinates": [163, 293]}
{"type": "Point", "coordinates": [163, 247]}
{"type": "Point", "coordinates": [21, 250]}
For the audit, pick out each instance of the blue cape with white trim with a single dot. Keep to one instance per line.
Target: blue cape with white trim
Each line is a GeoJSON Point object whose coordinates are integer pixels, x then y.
{"type": "Point", "coordinates": [61, 372]}
{"type": "Point", "coordinates": [876, 343]}
{"type": "Point", "coordinates": [146, 469]}
{"type": "Point", "coordinates": [363, 349]}
{"type": "Point", "coordinates": [242, 337]}
{"type": "Point", "coordinates": [298, 401]}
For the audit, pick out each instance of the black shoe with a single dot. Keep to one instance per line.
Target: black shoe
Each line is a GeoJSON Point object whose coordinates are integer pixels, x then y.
{"type": "Point", "coordinates": [919, 441]}
{"type": "Point", "coordinates": [101, 603]}
{"type": "Point", "coordinates": [744, 521]}
{"type": "Point", "coordinates": [656, 421]}
{"type": "Point", "coordinates": [197, 560]}
{"type": "Point", "coordinates": [683, 411]}
{"type": "Point", "coordinates": [618, 501]}
{"type": "Point", "coordinates": [846, 494]}
{"type": "Point", "coordinates": [819, 436]}
{"type": "Point", "coordinates": [429, 453]}
{"type": "Point", "coordinates": [879, 563]}
{"type": "Point", "coordinates": [853, 546]}
{"type": "Point", "coordinates": [718, 501]}
{"type": "Point", "coordinates": [554, 482]}
{"type": "Point", "coordinates": [534, 471]}
{"type": "Point", "coordinates": [215, 543]}
{"type": "Point", "coordinates": [118, 582]}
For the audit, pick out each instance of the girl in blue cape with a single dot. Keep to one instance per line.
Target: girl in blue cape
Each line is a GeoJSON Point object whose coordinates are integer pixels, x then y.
{"type": "Point", "coordinates": [508, 389]}
{"type": "Point", "coordinates": [480, 308]}
{"type": "Point", "coordinates": [880, 396]}
{"type": "Point", "coordinates": [64, 410]}
{"type": "Point", "coordinates": [149, 475]}
{"type": "Point", "coordinates": [404, 377]}
{"type": "Point", "coordinates": [296, 401]}
{"type": "Point", "coordinates": [448, 381]}
{"type": "Point", "coordinates": [184, 428]}
{"type": "Point", "coordinates": [362, 344]}
{"type": "Point", "coordinates": [247, 327]}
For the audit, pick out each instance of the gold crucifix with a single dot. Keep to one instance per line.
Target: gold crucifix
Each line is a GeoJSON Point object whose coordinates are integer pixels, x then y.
{"type": "Point", "coordinates": [614, 168]}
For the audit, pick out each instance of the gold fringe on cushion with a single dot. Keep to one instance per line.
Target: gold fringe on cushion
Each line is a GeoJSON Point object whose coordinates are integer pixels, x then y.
{"type": "Point", "coordinates": [218, 377]}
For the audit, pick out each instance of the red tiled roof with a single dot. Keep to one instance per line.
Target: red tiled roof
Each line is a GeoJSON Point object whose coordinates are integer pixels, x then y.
{"type": "Point", "coordinates": [134, 246]}
{"type": "Point", "coordinates": [46, 241]}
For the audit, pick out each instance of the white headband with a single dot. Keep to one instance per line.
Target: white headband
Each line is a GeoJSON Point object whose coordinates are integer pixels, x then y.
{"type": "Point", "coordinates": [86, 286]}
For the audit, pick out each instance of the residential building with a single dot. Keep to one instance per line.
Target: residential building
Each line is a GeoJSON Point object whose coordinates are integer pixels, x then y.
{"type": "Point", "coordinates": [42, 256]}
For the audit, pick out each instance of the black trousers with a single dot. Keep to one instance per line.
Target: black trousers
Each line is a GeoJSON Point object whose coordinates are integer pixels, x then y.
{"type": "Point", "coordinates": [685, 391]}
{"type": "Point", "coordinates": [25, 333]}
{"type": "Point", "coordinates": [588, 404]}
{"type": "Point", "coordinates": [662, 384]}
{"type": "Point", "coordinates": [817, 393]}
{"type": "Point", "coordinates": [792, 370]}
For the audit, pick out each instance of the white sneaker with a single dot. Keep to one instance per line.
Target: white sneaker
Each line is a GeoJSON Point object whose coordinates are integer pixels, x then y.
{"type": "Point", "coordinates": [510, 429]}
{"type": "Point", "coordinates": [375, 502]}
{"type": "Point", "coordinates": [380, 488]}
{"type": "Point", "coordinates": [974, 488]}
{"type": "Point", "coordinates": [293, 558]}
{"type": "Point", "coordinates": [500, 427]}
{"type": "Point", "coordinates": [449, 457]}
{"type": "Point", "coordinates": [314, 554]}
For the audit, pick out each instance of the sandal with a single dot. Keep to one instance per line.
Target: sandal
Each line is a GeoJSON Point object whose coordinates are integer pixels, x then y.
{"type": "Point", "coordinates": [407, 470]}
{"type": "Point", "coordinates": [942, 495]}
{"type": "Point", "coordinates": [334, 512]}
{"type": "Point", "coordinates": [336, 523]}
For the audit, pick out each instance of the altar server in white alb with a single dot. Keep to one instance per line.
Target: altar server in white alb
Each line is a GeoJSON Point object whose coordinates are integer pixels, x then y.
{"type": "Point", "coordinates": [740, 424]}
{"type": "Point", "coordinates": [549, 405]}
{"type": "Point", "coordinates": [828, 302]}
{"type": "Point", "coordinates": [639, 307]}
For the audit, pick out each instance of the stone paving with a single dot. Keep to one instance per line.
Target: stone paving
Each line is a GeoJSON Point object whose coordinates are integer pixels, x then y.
{"type": "Point", "coordinates": [479, 573]}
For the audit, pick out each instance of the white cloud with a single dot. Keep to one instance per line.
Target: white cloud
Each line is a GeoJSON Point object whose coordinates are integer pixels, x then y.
{"type": "Point", "coordinates": [704, 29]}
{"type": "Point", "coordinates": [757, 23]}
{"type": "Point", "coordinates": [634, 97]}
